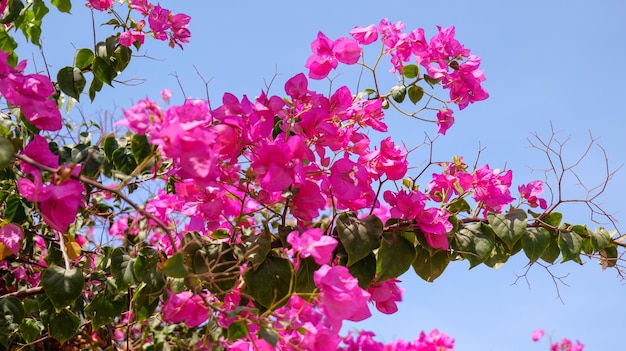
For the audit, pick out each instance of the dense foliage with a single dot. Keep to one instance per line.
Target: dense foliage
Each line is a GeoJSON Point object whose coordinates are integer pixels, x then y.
{"type": "Point", "coordinates": [268, 221]}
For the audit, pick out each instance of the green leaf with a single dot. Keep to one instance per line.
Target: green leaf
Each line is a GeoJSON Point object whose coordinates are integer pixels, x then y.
{"type": "Point", "coordinates": [62, 286]}
{"type": "Point", "coordinates": [103, 70]}
{"type": "Point", "coordinates": [554, 219]}
{"type": "Point", "coordinates": [429, 266]}
{"type": "Point", "coordinates": [62, 5]}
{"type": "Point", "coordinates": [11, 314]}
{"type": "Point", "coordinates": [475, 243]}
{"type": "Point", "coordinates": [94, 87]}
{"type": "Point", "coordinates": [146, 269]}
{"type": "Point", "coordinates": [358, 237]}
{"type": "Point", "coordinates": [106, 307]}
{"type": "Point", "coordinates": [8, 44]}
{"type": "Point", "coordinates": [459, 205]}
{"type": "Point", "coordinates": [122, 58]}
{"type": "Point", "coordinates": [145, 302]}
{"type": "Point", "coordinates": [6, 153]}
{"type": "Point", "coordinates": [175, 266]}
{"type": "Point", "coordinates": [269, 335]}
{"type": "Point", "coordinates": [110, 145]}
{"type": "Point", "coordinates": [64, 325]}
{"type": "Point", "coordinates": [140, 147]}
{"type": "Point", "coordinates": [364, 270]}
{"type": "Point", "coordinates": [398, 93]}
{"type": "Point", "coordinates": [15, 7]}
{"type": "Point", "coordinates": [499, 255]}
{"type": "Point", "coordinates": [535, 243]}
{"type": "Point", "coordinates": [304, 285]}
{"type": "Point", "coordinates": [552, 252]}
{"type": "Point", "coordinates": [237, 330]}
{"type": "Point", "coordinates": [410, 71]}
{"type": "Point", "coordinates": [509, 227]}
{"type": "Point", "coordinates": [71, 81]}
{"type": "Point", "coordinates": [570, 244]}
{"type": "Point", "coordinates": [29, 329]}
{"type": "Point", "coordinates": [431, 81]}
{"type": "Point", "coordinates": [14, 210]}
{"type": "Point", "coordinates": [217, 266]}
{"type": "Point", "coordinates": [600, 239]}
{"type": "Point", "coordinates": [270, 283]}
{"type": "Point", "coordinates": [84, 59]}
{"type": "Point", "coordinates": [122, 268]}
{"type": "Point", "coordinates": [257, 247]}
{"type": "Point", "coordinates": [124, 161]}
{"type": "Point", "coordinates": [415, 94]}
{"type": "Point", "coordinates": [394, 257]}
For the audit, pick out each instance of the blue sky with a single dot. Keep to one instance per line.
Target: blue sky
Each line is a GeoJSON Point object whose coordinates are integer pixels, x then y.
{"type": "Point", "coordinates": [545, 61]}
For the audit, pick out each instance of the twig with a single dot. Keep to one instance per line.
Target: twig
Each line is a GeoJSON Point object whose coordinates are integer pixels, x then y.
{"type": "Point", "coordinates": [101, 186]}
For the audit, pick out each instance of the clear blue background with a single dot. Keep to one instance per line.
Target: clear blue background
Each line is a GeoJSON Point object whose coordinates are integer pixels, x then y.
{"type": "Point", "coordinates": [546, 62]}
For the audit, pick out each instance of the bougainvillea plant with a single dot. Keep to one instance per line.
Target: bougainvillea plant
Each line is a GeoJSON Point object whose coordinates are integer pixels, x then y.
{"type": "Point", "coordinates": [268, 221]}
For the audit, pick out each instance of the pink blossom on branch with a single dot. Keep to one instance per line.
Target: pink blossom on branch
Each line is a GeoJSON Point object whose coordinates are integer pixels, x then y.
{"type": "Point", "coordinates": [341, 298]}
{"type": "Point", "coordinates": [530, 192]}
{"type": "Point", "coordinates": [185, 307]}
{"type": "Point", "coordinates": [11, 236]}
{"type": "Point", "coordinates": [537, 334]}
{"type": "Point", "coordinates": [445, 120]}
{"type": "Point", "coordinates": [313, 243]}
{"type": "Point", "coordinates": [385, 295]}
{"type": "Point", "coordinates": [365, 36]}
{"type": "Point", "coordinates": [58, 203]}
{"type": "Point", "coordinates": [100, 5]}
{"type": "Point", "coordinates": [328, 53]}
{"type": "Point", "coordinates": [132, 36]}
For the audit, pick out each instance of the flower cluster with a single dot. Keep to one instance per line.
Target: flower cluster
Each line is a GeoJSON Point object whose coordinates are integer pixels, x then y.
{"type": "Point", "coordinates": [563, 345]}
{"type": "Point", "coordinates": [433, 341]}
{"type": "Point", "coordinates": [164, 25]}
{"type": "Point", "coordinates": [58, 200]}
{"type": "Point", "coordinates": [30, 92]}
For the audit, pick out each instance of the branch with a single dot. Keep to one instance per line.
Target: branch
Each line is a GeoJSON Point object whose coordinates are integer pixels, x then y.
{"type": "Point", "coordinates": [101, 186]}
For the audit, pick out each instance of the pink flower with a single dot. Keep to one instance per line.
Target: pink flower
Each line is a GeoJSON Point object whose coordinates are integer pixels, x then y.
{"type": "Point", "coordinates": [365, 36]}
{"type": "Point", "coordinates": [537, 334]}
{"type": "Point", "coordinates": [38, 150]}
{"type": "Point", "coordinates": [323, 59]}
{"type": "Point", "coordinates": [180, 33]}
{"type": "Point", "coordinates": [140, 117]}
{"type": "Point", "coordinates": [445, 120]}
{"type": "Point", "coordinates": [444, 46]}
{"type": "Point", "coordinates": [308, 201]}
{"type": "Point", "coordinates": [313, 243]}
{"type": "Point", "coordinates": [491, 187]}
{"type": "Point", "coordinates": [142, 6]}
{"type": "Point", "coordinates": [100, 5]}
{"type": "Point", "coordinates": [385, 295]}
{"type": "Point", "coordinates": [341, 298]}
{"type": "Point", "coordinates": [11, 235]}
{"type": "Point", "coordinates": [464, 83]}
{"type": "Point", "coordinates": [159, 23]}
{"type": "Point", "coordinates": [297, 86]}
{"type": "Point", "coordinates": [348, 179]}
{"type": "Point", "coordinates": [58, 203]}
{"type": "Point", "coordinates": [347, 51]}
{"type": "Point", "coordinates": [43, 114]}
{"type": "Point", "coordinates": [405, 205]}
{"type": "Point", "coordinates": [390, 160]}
{"type": "Point", "coordinates": [129, 37]}
{"type": "Point", "coordinates": [530, 192]}
{"type": "Point", "coordinates": [567, 345]}
{"type": "Point", "coordinates": [185, 307]}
